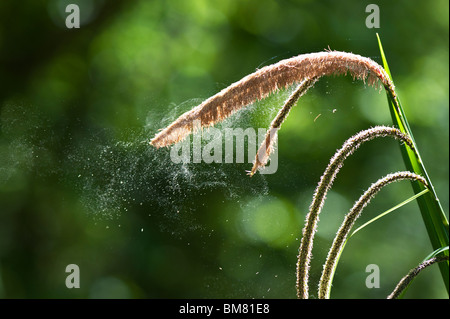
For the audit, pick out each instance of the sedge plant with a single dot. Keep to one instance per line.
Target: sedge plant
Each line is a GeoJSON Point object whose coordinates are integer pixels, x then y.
{"type": "Point", "coordinates": [304, 71]}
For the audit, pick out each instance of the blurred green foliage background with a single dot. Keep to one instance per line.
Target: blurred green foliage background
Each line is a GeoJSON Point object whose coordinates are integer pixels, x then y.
{"type": "Point", "coordinates": [79, 183]}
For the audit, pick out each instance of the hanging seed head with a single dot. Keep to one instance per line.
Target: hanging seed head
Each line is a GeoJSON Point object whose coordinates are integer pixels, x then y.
{"type": "Point", "coordinates": [268, 79]}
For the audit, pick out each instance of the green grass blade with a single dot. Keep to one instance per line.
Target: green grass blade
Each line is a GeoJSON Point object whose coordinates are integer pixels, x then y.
{"type": "Point", "coordinates": [436, 252]}
{"type": "Point", "coordinates": [389, 211]}
{"type": "Point", "coordinates": [433, 215]}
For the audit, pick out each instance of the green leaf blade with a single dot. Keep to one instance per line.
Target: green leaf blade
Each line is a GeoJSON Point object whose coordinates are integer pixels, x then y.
{"type": "Point", "coordinates": [433, 215]}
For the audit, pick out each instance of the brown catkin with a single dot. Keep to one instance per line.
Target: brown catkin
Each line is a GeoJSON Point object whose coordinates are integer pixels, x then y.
{"type": "Point", "coordinates": [268, 79]}
{"type": "Point", "coordinates": [405, 281]}
{"type": "Point", "coordinates": [266, 147]}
